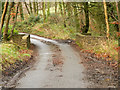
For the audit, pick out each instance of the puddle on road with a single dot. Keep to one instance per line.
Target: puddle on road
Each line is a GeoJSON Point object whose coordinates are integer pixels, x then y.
{"type": "Point", "coordinates": [46, 53]}
{"type": "Point", "coordinates": [69, 77]}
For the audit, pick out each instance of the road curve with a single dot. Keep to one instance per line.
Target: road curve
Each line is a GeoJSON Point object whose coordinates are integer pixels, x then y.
{"type": "Point", "coordinates": [38, 76]}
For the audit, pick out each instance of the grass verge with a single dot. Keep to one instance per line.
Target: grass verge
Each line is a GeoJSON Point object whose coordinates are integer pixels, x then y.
{"type": "Point", "coordinates": [106, 50]}
{"type": "Point", "coordinates": [12, 58]}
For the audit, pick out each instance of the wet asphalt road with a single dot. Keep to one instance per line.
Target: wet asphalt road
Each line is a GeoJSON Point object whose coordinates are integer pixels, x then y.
{"type": "Point", "coordinates": [38, 76]}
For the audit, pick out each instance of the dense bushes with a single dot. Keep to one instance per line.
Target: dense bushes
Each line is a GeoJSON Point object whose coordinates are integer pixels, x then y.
{"type": "Point", "coordinates": [12, 57]}
{"type": "Point", "coordinates": [9, 31]}
{"type": "Point", "coordinates": [54, 18]}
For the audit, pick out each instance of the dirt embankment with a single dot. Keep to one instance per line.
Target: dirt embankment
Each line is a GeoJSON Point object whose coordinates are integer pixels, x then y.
{"type": "Point", "coordinates": [57, 67]}
{"type": "Point", "coordinates": [99, 72]}
{"type": "Point", "coordinates": [18, 68]}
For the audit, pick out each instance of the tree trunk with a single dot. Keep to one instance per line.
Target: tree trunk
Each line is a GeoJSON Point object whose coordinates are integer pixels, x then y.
{"type": "Point", "coordinates": [64, 17]}
{"type": "Point", "coordinates": [61, 10]}
{"type": "Point", "coordinates": [48, 11]}
{"type": "Point", "coordinates": [7, 22]}
{"type": "Point", "coordinates": [86, 17]}
{"type": "Point", "coordinates": [30, 5]}
{"type": "Point", "coordinates": [55, 7]}
{"type": "Point", "coordinates": [118, 15]}
{"type": "Point", "coordinates": [21, 11]}
{"type": "Point", "coordinates": [14, 20]}
{"type": "Point", "coordinates": [43, 8]}
{"type": "Point", "coordinates": [37, 7]}
{"type": "Point", "coordinates": [27, 8]}
{"type": "Point", "coordinates": [106, 18]}
{"type": "Point", "coordinates": [118, 12]}
{"type": "Point", "coordinates": [34, 7]}
{"type": "Point", "coordinates": [3, 15]}
{"type": "Point", "coordinates": [76, 18]}
{"type": "Point", "coordinates": [64, 8]}
{"type": "Point", "coordinates": [68, 9]}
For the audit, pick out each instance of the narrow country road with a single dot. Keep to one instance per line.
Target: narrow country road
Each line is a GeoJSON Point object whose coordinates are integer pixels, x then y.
{"type": "Point", "coordinates": [44, 74]}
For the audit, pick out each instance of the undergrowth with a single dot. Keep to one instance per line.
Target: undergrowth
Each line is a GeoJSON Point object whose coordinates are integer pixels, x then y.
{"type": "Point", "coordinates": [11, 56]}
{"type": "Point", "coordinates": [54, 28]}
{"type": "Point", "coordinates": [106, 50]}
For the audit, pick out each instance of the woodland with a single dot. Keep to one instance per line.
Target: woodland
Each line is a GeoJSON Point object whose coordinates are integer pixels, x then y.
{"type": "Point", "coordinates": [60, 21]}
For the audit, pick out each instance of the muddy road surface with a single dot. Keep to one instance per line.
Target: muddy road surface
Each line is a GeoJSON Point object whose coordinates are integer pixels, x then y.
{"type": "Point", "coordinates": [57, 66]}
